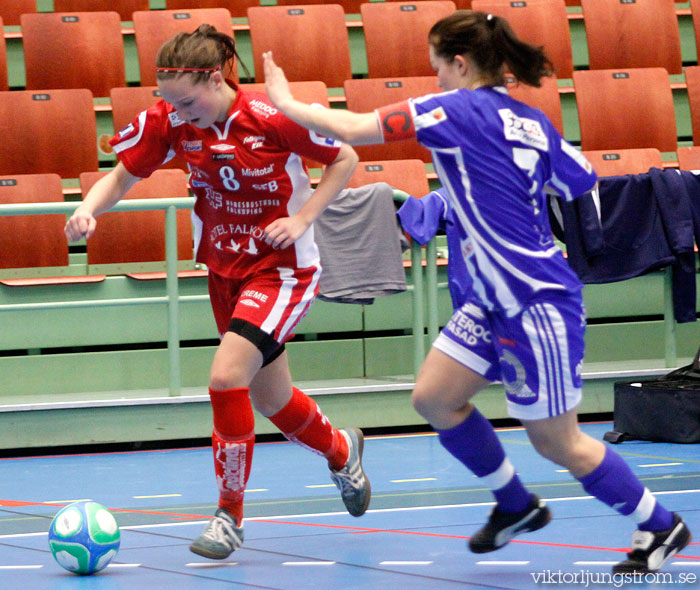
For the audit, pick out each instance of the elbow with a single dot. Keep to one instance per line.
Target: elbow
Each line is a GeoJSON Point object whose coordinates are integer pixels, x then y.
{"type": "Point", "coordinates": [349, 132]}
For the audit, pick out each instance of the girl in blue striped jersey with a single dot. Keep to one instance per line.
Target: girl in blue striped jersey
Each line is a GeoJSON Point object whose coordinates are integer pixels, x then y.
{"type": "Point", "coordinates": [524, 321]}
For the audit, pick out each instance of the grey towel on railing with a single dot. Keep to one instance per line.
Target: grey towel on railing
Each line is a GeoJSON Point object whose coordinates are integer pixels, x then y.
{"type": "Point", "coordinates": [361, 246]}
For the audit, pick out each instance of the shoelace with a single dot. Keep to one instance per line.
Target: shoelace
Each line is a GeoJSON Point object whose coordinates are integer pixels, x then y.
{"type": "Point", "coordinates": [347, 481]}
{"type": "Point", "coordinates": [220, 530]}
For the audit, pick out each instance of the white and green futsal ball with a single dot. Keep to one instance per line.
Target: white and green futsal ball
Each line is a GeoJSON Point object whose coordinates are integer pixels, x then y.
{"type": "Point", "coordinates": [84, 537]}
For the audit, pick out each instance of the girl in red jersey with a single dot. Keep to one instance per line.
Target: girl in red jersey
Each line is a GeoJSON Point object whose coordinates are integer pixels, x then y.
{"type": "Point", "coordinates": [253, 229]}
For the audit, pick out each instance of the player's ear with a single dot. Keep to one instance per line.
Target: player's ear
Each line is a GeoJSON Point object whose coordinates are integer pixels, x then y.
{"type": "Point", "coordinates": [217, 79]}
{"type": "Point", "coordinates": [462, 63]}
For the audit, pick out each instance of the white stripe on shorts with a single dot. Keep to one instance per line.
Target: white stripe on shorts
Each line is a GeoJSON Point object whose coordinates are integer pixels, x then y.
{"type": "Point", "coordinates": [301, 307]}
{"type": "Point", "coordinates": [546, 331]}
{"type": "Point", "coordinates": [283, 299]}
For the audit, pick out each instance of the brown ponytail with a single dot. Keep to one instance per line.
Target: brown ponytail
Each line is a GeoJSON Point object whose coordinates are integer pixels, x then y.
{"type": "Point", "coordinates": [491, 44]}
{"type": "Point", "coordinates": [198, 54]}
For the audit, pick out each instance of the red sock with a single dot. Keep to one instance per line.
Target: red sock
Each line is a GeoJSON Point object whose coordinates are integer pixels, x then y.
{"type": "Point", "coordinates": [302, 422]}
{"type": "Point", "coordinates": [233, 440]}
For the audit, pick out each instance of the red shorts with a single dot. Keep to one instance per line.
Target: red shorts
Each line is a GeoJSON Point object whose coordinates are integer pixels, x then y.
{"type": "Point", "coordinates": [271, 302]}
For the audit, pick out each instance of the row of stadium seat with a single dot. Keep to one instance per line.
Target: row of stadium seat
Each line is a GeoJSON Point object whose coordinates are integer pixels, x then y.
{"type": "Point", "coordinates": [617, 109]}
{"type": "Point", "coordinates": [619, 35]}
{"type": "Point", "coordinates": [31, 242]}
{"type": "Point", "coordinates": [11, 11]}
{"type": "Point", "coordinates": [134, 237]}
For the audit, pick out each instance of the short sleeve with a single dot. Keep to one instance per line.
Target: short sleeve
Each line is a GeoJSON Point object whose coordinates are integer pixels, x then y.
{"type": "Point", "coordinates": [143, 146]}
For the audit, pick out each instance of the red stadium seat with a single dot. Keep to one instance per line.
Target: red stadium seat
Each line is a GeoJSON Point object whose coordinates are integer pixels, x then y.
{"type": "Point", "coordinates": [3, 62]}
{"type": "Point", "coordinates": [31, 241]}
{"type": "Point", "coordinates": [546, 98]}
{"type": "Point", "coordinates": [237, 8]}
{"type": "Point", "coordinates": [153, 28]}
{"type": "Point", "coordinates": [73, 50]}
{"type": "Point", "coordinates": [640, 34]}
{"type": "Point", "coordinates": [539, 22]}
{"type": "Point", "coordinates": [299, 37]}
{"type": "Point", "coordinates": [692, 79]}
{"type": "Point", "coordinates": [396, 36]}
{"type": "Point", "coordinates": [349, 6]}
{"type": "Point", "coordinates": [689, 158]}
{"type": "Point", "coordinates": [619, 109]}
{"type": "Point", "coordinates": [405, 175]}
{"type": "Point", "coordinates": [10, 10]}
{"type": "Point", "coordinates": [55, 133]}
{"type": "Point", "coordinates": [619, 162]}
{"type": "Point", "coordinates": [365, 95]}
{"type": "Point", "coordinates": [125, 8]}
{"type": "Point", "coordinates": [139, 236]}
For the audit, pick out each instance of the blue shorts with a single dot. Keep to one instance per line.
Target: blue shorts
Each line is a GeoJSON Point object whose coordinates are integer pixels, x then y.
{"type": "Point", "coordinates": [537, 354]}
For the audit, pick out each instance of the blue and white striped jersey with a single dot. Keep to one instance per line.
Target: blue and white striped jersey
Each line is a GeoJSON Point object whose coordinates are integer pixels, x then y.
{"type": "Point", "coordinates": [495, 155]}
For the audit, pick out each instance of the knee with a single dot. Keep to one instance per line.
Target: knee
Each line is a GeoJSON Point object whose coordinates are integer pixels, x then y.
{"type": "Point", "coordinates": [575, 455]}
{"type": "Point", "coordinates": [221, 377]}
{"type": "Point", "coordinates": [423, 402]}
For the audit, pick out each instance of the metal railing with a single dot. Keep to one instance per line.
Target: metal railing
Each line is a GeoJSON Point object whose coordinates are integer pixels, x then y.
{"type": "Point", "coordinates": [425, 288]}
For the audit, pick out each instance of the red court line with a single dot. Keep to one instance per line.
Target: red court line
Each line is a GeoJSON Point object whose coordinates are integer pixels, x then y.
{"type": "Point", "coordinates": [355, 530]}
{"type": "Point", "coordinates": [362, 530]}
{"type": "Point", "coordinates": [175, 515]}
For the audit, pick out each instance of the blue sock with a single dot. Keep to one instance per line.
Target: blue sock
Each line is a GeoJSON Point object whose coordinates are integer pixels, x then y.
{"type": "Point", "coordinates": [475, 444]}
{"type": "Point", "coordinates": [614, 484]}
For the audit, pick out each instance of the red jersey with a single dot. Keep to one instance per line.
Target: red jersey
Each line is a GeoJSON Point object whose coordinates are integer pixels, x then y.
{"type": "Point", "coordinates": [246, 172]}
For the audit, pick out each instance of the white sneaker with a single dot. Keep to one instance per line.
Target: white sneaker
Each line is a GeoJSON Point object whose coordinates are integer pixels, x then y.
{"type": "Point", "coordinates": [351, 480]}
{"type": "Point", "coordinates": [220, 538]}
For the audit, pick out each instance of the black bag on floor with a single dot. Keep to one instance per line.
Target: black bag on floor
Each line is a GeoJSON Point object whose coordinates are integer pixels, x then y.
{"type": "Point", "coordinates": [661, 410]}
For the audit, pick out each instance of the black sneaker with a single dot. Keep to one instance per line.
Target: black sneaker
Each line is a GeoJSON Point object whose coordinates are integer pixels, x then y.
{"type": "Point", "coordinates": [650, 550]}
{"type": "Point", "coordinates": [504, 526]}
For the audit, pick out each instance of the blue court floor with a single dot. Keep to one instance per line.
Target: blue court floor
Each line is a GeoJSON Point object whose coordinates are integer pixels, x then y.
{"type": "Point", "coordinates": [298, 536]}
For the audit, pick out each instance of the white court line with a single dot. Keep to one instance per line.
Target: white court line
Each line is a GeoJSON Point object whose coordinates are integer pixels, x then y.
{"type": "Point", "coordinates": [20, 567]}
{"type": "Point", "coordinates": [124, 565]}
{"type": "Point", "coordinates": [343, 513]}
{"type": "Point", "coordinates": [406, 563]}
{"type": "Point", "coordinates": [502, 562]}
{"type": "Point", "coordinates": [595, 562]}
{"type": "Point", "coordinates": [158, 496]}
{"type": "Point", "coordinates": [209, 565]}
{"type": "Point", "coordinates": [322, 485]}
{"type": "Point", "coordinates": [686, 562]}
{"type": "Point", "coordinates": [23, 535]}
{"type": "Point", "coordinates": [416, 479]}
{"type": "Point", "coordinates": [305, 563]}
{"type": "Point", "coordinates": [660, 464]}
{"type": "Point", "coordinates": [66, 501]}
